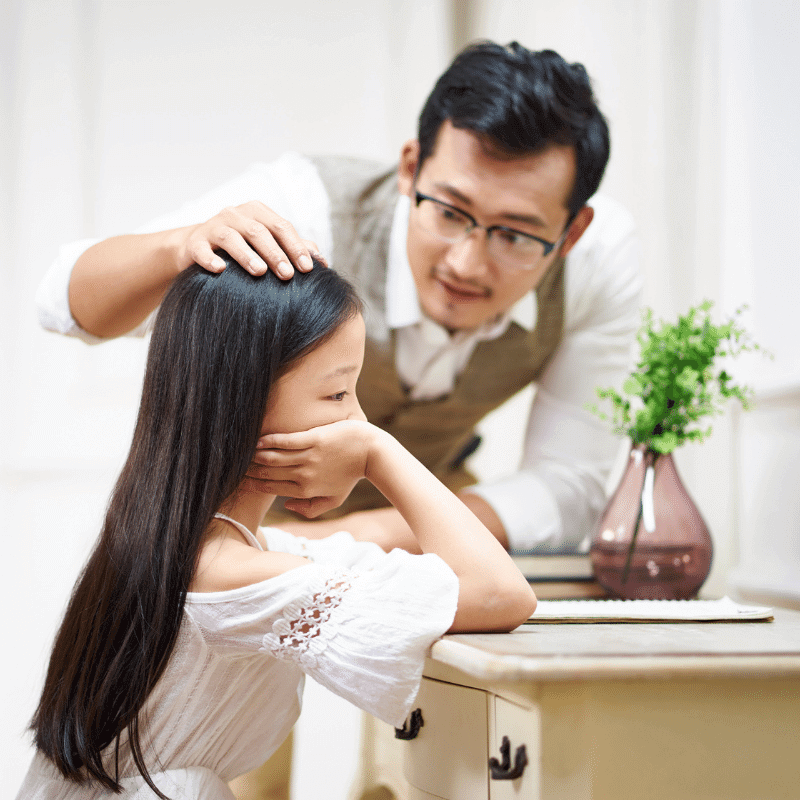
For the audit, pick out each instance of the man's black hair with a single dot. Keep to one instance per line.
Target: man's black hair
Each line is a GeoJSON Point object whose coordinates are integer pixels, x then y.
{"type": "Point", "coordinates": [521, 102]}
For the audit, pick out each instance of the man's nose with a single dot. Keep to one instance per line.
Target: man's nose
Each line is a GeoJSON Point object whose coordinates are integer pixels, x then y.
{"type": "Point", "coordinates": [468, 258]}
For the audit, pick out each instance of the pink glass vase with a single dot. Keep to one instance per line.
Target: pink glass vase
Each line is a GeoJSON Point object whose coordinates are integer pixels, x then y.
{"type": "Point", "coordinates": [670, 555]}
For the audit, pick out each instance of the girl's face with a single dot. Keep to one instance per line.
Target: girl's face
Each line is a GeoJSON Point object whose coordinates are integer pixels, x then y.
{"type": "Point", "coordinates": [320, 388]}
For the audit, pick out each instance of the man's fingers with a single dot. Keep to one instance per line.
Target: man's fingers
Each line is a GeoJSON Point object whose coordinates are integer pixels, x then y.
{"type": "Point", "coordinates": [233, 243]}
{"type": "Point", "coordinates": [314, 252]}
{"type": "Point", "coordinates": [255, 237]}
{"type": "Point", "coordinates": [273, 237]}
{"type": "Point", "coordinates": [289, 241]}
{"type": "Point", "coordinates": [203, 255]}
{"type": "Point", "coordinates": [269, 250]}
{"type": "Point", "coordinates": [256, 254]}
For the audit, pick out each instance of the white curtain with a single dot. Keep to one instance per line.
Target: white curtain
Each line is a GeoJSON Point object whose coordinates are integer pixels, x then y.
{"type": "Point", "coordinates": [116, 110]}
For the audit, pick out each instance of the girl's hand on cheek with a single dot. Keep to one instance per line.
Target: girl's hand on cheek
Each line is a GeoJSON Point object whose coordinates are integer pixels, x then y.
{"type": "Point", "coordinates": [318, 467]}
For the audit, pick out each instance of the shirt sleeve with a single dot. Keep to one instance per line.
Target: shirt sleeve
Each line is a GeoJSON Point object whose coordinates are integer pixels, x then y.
{"type": "Point", "coordinates": [339, 549]}
{"type": "Point", "coordinates": [362, 633]}
{"type": "Point", "coordinates": [552, 503]}
{"type": "Point", "coordinates": [289, 185]}
{"type": "Point", "coordinates": [52, 298]}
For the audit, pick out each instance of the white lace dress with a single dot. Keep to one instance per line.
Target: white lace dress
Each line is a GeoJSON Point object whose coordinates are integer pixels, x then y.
{"type": "Point", "coordinates": [357, 620]}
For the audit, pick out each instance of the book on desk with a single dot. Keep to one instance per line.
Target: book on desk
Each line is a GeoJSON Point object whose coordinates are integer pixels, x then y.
{"type": "Point", "coordinates": [722, 609]}
{"type": "Point", "coordinates": [556, 576]}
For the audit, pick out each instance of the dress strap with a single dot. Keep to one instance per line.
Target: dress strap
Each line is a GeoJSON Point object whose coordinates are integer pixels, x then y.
{"type": "Point", "coordinates": [242, 529]}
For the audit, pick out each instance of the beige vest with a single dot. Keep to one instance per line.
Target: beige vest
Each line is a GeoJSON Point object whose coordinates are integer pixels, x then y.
{"type": "Point", "coordinates": [363, 197]}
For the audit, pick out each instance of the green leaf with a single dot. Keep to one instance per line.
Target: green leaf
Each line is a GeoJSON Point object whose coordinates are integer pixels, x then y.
{"type": "Point", "coordinates": [675, 381]}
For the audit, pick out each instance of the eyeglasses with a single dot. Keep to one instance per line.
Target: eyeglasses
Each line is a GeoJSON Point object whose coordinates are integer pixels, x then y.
{"type": "Point", "coordinates": [508, 247]}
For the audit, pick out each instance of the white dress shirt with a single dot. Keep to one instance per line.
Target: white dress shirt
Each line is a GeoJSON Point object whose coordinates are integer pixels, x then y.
{"type": "Point", "coordinates": [551, 502]}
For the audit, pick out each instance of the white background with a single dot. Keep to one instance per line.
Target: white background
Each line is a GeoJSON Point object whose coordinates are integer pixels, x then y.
{"type": "Point", "coordinates": [114, 111]}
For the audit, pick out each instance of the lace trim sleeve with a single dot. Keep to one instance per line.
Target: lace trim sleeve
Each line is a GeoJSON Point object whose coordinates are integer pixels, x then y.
{"type": "Point", "coordinates": [364, 632]}
{"type": "Point", "coordinates": [297, 635]}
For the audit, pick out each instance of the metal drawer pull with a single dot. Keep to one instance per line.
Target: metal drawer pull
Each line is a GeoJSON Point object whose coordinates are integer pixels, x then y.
{"type": "Point", "coordinates": [501, 771]}
{"type": "Point", "coordinates": [411, 726]}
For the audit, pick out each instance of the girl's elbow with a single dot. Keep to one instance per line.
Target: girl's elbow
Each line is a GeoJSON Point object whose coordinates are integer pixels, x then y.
{"type": "Point", "coordinates": [496, 609]}
{"type": "Point", "coordinates": [520, 605]}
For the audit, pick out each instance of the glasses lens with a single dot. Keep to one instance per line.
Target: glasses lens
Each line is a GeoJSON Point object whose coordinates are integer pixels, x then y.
{"type": "Point", "coordinates": [514, 250]}
{"type": "Point", "coordinates": [508, 248]}
{"type": "Point", "coordinates": [446, 222]}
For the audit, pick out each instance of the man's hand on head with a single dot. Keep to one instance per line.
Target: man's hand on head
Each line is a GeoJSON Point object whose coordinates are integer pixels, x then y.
{"type": "Point", "coordinates": [254, 236]}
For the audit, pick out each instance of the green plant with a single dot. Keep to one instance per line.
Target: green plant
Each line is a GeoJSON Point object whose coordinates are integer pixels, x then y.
{"type": "Point", "coordinates": [677, 382]}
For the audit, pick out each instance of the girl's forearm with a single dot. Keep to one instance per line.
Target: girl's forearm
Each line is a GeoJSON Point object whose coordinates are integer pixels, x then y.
{"type": "Point", "coordinates": [493, 593]}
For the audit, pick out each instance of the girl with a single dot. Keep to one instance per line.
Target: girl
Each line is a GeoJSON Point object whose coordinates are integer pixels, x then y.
{"type": "Point", "coordinates": [179, 663]}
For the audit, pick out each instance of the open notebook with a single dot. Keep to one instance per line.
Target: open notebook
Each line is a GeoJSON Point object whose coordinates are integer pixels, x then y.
{"type": "Point", "coordinates": [723, 610]}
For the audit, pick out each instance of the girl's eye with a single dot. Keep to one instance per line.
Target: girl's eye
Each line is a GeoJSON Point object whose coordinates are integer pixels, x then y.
{"type": "Point", "coordinates": [338, 396]}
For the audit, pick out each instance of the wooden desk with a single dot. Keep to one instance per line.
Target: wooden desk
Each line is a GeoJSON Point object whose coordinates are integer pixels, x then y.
{"type": "Point", "coordinates": [685, 711]}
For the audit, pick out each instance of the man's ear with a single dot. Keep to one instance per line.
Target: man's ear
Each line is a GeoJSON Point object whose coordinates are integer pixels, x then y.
{"type": "Point", "coordinates": [407, 169]}
{"type": "Point", "coordinates": [581, 222]}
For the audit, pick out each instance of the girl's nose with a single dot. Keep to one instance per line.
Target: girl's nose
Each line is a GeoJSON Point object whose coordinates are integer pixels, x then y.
{"type": "Point", "coordinates": [357, 413]}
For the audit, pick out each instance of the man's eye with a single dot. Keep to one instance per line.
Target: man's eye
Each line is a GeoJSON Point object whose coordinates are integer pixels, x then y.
{"type": "Point", "coordinates": [510, 237]}
{"type": "Point", "coordinates": [338, 396]}
{"type": "Point", "coordinates": [449, 214]}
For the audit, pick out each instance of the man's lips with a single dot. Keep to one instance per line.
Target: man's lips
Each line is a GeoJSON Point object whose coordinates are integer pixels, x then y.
{"type": "Point", "coordinates": [460, 291]}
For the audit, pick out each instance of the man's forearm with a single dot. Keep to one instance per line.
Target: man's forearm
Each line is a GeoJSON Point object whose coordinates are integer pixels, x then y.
{"type": "Point", "coordinates": [383, 526]}
{"type": "Point", "coordinates": [116, 283]}
{"type": "Point", "coordinates": [486, 514]}
{"type": "Point", "coordinates": [387, 528]}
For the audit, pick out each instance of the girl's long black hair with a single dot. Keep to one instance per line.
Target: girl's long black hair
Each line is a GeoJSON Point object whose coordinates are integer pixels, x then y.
{"type": "Point", "coordinates": [219, 343]}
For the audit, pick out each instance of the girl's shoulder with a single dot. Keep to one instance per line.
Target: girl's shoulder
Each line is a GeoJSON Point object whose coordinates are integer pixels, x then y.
{"type": "Point", "coordinates": [227, 563]}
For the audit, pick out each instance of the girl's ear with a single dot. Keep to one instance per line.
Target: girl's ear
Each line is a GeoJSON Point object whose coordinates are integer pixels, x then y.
{"type": "Point", "coordinates": [407, 169]}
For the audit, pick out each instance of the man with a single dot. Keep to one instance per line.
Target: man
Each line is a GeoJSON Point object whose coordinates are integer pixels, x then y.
{"type": "Point", "coordinates": [483, 266]}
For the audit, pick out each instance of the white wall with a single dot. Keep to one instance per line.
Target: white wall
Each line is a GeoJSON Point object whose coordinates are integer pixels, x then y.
{"type": "Point", "coordinates": [116, 110]}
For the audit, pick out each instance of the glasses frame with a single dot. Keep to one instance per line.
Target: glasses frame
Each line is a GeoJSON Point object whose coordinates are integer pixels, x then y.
{"type": "Point", "coordinates": [548, 246]}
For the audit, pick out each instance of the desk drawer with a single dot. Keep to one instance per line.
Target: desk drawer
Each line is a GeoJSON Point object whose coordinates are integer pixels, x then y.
{"type": "Point", "coordinates": [521, 727]}
{"type": "Point", "coordinates": [449, 756]}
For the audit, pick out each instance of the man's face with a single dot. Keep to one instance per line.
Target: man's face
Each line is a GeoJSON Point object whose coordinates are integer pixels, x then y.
{"type": "Point", "coordinates": [459, 285]}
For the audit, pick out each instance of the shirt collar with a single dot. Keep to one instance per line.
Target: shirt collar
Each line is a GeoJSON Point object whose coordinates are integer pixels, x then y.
{"type": "Point", "coordinates": [402, 303]}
